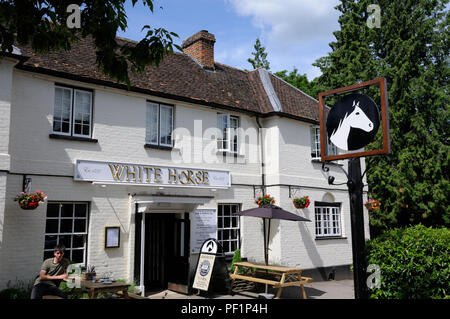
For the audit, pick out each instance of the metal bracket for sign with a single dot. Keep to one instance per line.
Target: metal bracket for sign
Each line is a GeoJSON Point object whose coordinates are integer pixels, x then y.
{"type": "Point", "coordinates": [293, 190]}
{"type": "Point", "coordinates": [384, 119]}
{"type": "Point", "coordinates": [257, 190]}
{"type": "Point", "coordinates": [26, 184]}
{"type": "Point", "coordinates": [331, 178]}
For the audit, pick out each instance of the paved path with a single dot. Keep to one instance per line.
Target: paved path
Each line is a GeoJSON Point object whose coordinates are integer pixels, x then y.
{"type": "Point", "coordinates": [339, 289]}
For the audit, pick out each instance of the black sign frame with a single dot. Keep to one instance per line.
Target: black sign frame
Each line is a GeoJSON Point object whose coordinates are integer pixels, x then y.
{"type": "Point", "coordinates": [386, 147]}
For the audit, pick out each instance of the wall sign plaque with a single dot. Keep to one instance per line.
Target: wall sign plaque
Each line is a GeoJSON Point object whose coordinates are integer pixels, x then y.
{"type": "Point", "coordinates": [149, 175]}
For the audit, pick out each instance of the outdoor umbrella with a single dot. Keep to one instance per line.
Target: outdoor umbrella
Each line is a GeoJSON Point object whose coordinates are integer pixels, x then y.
{"type": "Point", "coordinates": [270, 212]}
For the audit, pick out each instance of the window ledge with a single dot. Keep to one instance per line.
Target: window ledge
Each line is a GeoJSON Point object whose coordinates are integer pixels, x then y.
{"type": "Point", "coordinates": [330, 237]}
{"type": "Point", "coordinates": [159, 147]}
{"type": "Point", "coordinates": [73, 138]}
{"type": "Point", "coordinates": [227, 153]}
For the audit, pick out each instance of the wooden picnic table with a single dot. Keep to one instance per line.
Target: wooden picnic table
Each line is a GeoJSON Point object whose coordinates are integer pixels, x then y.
{"type": "Point", "coordinates": [276, 276]}
{"type": "Point", "coordinates": [94, 288]}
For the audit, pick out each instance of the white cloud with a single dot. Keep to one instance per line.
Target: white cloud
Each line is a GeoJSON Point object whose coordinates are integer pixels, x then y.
{"type": "Point", "coordinates": [294, 32]}
{"type": "Point", "coordinates": [290, 21]}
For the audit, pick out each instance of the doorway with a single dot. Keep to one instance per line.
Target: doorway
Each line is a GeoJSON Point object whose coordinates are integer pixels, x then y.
{"type": "Point", "coordinates": [166, 253]}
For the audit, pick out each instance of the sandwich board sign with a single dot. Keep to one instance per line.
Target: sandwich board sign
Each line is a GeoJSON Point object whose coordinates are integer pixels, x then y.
{"type": "Point", "coordinates": [205, 264]}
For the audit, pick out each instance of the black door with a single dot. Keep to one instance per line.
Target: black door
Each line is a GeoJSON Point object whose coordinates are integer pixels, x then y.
{"type": "Point", "coordinates": [166, 255]}
{"type": "Point", "coordinates": [159, 239]}
{"type": "Point", "coordinates": [178, 267]}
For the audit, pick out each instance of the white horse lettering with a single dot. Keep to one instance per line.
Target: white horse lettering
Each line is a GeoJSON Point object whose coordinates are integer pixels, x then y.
{"type": "Point", "coordinates": [356, 119]}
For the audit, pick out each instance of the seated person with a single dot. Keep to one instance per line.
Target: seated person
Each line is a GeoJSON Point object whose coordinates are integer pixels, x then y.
{"type": "Point", "coordinates": [53, 271]}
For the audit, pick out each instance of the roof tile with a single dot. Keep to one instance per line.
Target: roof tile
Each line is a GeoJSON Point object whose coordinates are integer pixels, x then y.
{"type": "Point", "coordinates": [179, 76]}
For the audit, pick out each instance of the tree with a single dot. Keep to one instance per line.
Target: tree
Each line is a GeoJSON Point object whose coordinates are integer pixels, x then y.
{"type": "Point", "coordinates": [260, 56]}
{"type": "Point", "coordinates": [43, 24]}
{"type": "Point", "coordinates": [300, 81]}
{"type": "Point", "coordinates": [410, 50]}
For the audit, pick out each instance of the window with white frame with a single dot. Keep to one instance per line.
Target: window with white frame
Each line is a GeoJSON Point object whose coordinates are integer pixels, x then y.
{"type": "Point", "coordinates": [159, 124]}
{"type": "Point", "coordinates": [328, 220]}
{"type": "Point", "coordinates": [228, 227]}
{"type": "Point", "coordinates": [67, 224]}
{"type": "Point", "coordinates": [315, 144]}
{"type": "Point", "coordinates": [72, 113]}
{"type": "Point", "coordinates": [228, 126]}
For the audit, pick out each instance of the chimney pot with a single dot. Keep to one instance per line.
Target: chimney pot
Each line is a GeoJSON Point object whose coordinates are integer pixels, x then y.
{"type": "Point", "coordinates": [200, 46]}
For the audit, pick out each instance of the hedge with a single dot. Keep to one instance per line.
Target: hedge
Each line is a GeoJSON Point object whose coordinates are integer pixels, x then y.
{"type": "Point", "coordinates": [414, 263]}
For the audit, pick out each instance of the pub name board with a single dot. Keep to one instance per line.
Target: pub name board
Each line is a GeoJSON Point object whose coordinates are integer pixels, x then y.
{"type": "Point", "coordinates": [142, 174]}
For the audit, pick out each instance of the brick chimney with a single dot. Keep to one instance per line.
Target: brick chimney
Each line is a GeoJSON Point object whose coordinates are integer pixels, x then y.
{"type": "Point", "coordinates": [200, 46]}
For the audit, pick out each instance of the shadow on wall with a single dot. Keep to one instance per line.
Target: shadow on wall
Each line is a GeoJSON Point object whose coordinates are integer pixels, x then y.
{"type": "Point", "coordinates": [326, 273]}
{"type": "Point", "coordinates": [311, 248]}
{"type": "Point", "coordinates": [111, 252]}
{"type": "Point", "coordinates": [274, 231]}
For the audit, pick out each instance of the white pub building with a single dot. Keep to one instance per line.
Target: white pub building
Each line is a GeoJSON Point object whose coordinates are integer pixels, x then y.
{"type": "Point", "coordinates": [136, 179]}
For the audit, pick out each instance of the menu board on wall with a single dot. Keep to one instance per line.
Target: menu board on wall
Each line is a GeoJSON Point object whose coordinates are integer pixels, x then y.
{"type": "Point", "coordinates": [204, 226]}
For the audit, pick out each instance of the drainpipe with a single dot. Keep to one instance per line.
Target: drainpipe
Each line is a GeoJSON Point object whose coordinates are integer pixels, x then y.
{"type": "Point", "coordinates": [263, 186]}
{"type": "Point", "coordinates": [263, 176]}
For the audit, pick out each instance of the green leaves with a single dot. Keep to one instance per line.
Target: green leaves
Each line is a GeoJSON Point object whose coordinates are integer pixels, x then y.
{"type": "Point", "coordinates": [260, 56]}
{"type": "Point", "coordinates": [411, 51]}
{"type": "Point", "coordinates": [42, 24]}
{"type": "Point", "coordinates": [300, 81]}
{"type": "Point", "coordinates": [414, 262]}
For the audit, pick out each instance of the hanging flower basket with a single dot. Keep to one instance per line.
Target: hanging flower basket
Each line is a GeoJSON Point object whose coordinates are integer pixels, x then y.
{"type": "Point", "coordinates": [301, 202]}
{"type": "Point", "coordinates": [28, 206]}
{"type": "Point", "coordinates": [372, 205]}
{"type": "Point", "coordinates": [30, 201]}
{"type": "Point", "coordinates": [264, 200]}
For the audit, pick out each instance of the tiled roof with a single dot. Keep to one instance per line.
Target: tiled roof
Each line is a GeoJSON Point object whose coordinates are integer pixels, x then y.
{"type": "Point", "coordinates": [180, 77]}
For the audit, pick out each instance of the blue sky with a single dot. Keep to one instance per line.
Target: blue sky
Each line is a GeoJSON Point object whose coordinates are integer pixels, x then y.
{"type": "Point", "coordinates": [294, 32]}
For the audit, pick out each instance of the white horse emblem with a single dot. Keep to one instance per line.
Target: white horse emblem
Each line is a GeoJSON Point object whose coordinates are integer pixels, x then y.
{"type": "Point", "coordinates": [356, 119]}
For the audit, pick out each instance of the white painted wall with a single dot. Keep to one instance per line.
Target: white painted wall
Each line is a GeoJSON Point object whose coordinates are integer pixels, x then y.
{"type": "Point", "coordinates": [6, 83]}
{"type": "Point", "coordinates": [288, 162]}
{"type": "Point", "coordinates": [119, 126]}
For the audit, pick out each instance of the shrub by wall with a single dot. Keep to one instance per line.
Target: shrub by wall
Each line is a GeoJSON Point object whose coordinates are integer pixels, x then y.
{"type": "Point", "coordinates": [19, 290]}
{"type": "Point", "coordinates": [414, 263]}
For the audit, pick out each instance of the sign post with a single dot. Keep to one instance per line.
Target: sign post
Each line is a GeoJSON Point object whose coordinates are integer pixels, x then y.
{"type": "Point", "coordinates": [351, 124]}
{"type": "Point", "coordinates": [355, 190]}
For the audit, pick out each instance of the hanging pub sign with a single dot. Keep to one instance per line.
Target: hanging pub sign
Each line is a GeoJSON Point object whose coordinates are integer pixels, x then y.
{"type": "Point", "coordinates": [353, 122]}
{"type": "Point", "coordinates": [351, 125]}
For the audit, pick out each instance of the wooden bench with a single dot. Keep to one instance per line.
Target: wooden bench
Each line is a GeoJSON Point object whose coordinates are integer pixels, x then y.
{"type": "Point", "coordinates": [131, 295]}
{"type": "Point", "coordinates": [288, 277]}
{"type": "Point", "coordinates": [51, 297]}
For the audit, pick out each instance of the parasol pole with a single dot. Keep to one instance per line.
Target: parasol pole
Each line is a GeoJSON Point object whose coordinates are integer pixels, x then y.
{"type": "Point", "coordinates": [268, 242]}
{"type": "Point", "coordinates": [266, 253]}
{"type": "Point", "coordinates": [265, 240]}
